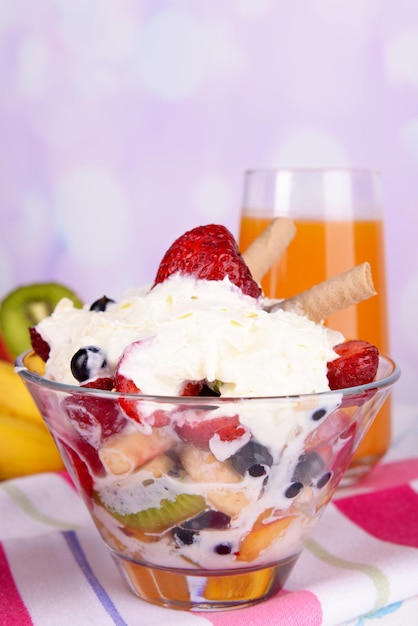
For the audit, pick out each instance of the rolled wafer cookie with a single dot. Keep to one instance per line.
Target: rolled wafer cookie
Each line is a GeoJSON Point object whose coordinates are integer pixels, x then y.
{"type": "Point", "coordinates": [123, 453]}
{"type": "Point", "coordinates": [330, 296]}
{"type": "Point", "coordinates": [268, 247]}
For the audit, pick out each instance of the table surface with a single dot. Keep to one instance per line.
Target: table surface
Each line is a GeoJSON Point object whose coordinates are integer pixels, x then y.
{"type": "Point", "coordinates": [359, 568]}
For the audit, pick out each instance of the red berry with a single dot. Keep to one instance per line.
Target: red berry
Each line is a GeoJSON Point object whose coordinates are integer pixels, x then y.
{"type": "Point", "coordinates": [356, 364]}
{"type": "Point", "coordinates": [200, 432]}
{"type": "Point", "coordinates": [210, 253]}
{"type": "Point", "coordinates": [132, 408]}
{"type": "Point", "coordinates": [94, 418]}
{"type": "Point", "coordinates": [105, 383]}
{"type": "Point", "coordinates": [39, 345]}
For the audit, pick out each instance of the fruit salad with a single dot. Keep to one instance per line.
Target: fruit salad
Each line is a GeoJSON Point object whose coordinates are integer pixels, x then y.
{"type": "Point", "coordinates": [206, 431]}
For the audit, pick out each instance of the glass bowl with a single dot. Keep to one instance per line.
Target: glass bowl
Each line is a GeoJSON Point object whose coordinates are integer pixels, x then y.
{"type": "Point", "coordinates": [205, 503]}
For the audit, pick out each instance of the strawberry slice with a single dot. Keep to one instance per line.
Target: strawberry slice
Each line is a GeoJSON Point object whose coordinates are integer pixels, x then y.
{"type": "Point", "coordinates": [356, 364]}
{"type": "Point", "coordinates": [209, 253]}
{"type": "Point", "coordinates": [200, 432]}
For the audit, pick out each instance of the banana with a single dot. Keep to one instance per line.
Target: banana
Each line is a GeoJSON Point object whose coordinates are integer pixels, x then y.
{"type": "Point", "coordinates": [15, 399]}
{"type": "Point", "coordinates": [26, 448]}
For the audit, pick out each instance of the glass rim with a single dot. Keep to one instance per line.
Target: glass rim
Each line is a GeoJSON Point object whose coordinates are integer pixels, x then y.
{"type": "Point", "coordinates": [312, 170]}
{"type": "Point", "coordinates": [32, 377]}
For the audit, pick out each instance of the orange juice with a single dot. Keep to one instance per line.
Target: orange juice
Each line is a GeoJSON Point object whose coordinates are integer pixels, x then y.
{"type": "Point", "coordinates": [320, 250]}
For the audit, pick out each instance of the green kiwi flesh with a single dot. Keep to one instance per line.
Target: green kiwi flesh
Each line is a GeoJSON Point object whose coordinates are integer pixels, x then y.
{"type": "Point", "coordinates": [26, 306]}
{"type": "Point", "coordinates": [168, 514]}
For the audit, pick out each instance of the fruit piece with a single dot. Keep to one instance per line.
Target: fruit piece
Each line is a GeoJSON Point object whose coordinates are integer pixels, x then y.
{"type": "Point", "coordinates": [105, 383]}
{"type": "Point", "coordinates": [200, 432]}
{"type": "Point", "coordinates": [202, 466]}
{"type": "Point", "coordinates": [262, 535]}
{"type": "Point", "coordinates": [159, 466]}
{"type": "Point", "coordinates": [15, 399]}
{"type": "Point", "coordinates": [170, 513]}
{"type": "Point", "coordinates": [209, 253]}
{"type": "Point", "coordinates": [34, 363]}
{"type": "Point", "coordinates": [186, 533]}
{"type": "Point", "coordinates": [208, 519]}
{"type": "Point", "coordinates": [101, 304]}
{"type": "Point", "coordinates": [78, 469]}
{"type": "Point", "coordinates": [4, 353]}
{"type": "Point", "coordinates": [39, 345]}
{"type": "Point", "coordinates": [88, 362]}
{"type": "Point", "coordinates": [309, 466]}
{"type": "Point", "coordinates": [228, 501]}
{"type": "Point", "coordinates": [26, 306]}
{"type": "Point", "coordinates": [253, 458]}
{"type": "Point", "coordinates": [356, 364]}
{"type": "Point", "coordinates": [132, 408]}
{"type": "Point", "coordinates": [94, 418]}
{"type": "Point", "coordinates": [26, 448]}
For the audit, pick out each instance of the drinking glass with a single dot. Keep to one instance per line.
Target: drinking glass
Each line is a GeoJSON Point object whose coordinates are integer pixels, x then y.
{"type": "Point", "coordinates": [339, 219]}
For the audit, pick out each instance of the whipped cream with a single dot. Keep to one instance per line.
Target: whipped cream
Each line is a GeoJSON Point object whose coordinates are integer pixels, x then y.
{"type": "Point", "coordinates": [195, 330]}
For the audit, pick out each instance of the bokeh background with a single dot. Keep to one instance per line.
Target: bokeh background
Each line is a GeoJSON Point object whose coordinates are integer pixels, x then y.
{"type": "Point", "coordinates": [125, 122]}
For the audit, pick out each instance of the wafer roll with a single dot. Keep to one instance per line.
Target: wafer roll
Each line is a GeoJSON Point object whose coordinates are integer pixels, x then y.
{"type": "Point", "coordinates": [268, 247]}
{"type": "Point", "coordinates": [330, 296]}
{"type": "Point", "coordinates": [123, 453]}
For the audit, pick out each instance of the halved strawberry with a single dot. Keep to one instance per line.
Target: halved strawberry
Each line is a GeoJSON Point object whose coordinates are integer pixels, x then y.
{"type": "Point", "coordinates": [200, 432]}
{"type": "Point", "coordinates": [356, 364]}
{"type": "Point", "coordinates": [211, 253]}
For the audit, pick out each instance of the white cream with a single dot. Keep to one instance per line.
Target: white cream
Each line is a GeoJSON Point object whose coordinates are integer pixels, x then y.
{"type": "Point", "coordinates": [197, 330]}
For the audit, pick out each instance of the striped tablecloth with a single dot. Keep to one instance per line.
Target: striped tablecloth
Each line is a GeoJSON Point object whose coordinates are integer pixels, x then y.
{"type": "Point", "coordinates": [361, 561]}
{"type": "Point", "coordinates": [359, 568]}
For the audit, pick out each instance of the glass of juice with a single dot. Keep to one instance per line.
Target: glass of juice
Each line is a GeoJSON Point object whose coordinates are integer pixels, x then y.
{"type": "Point", "coordinates": [338, 215]}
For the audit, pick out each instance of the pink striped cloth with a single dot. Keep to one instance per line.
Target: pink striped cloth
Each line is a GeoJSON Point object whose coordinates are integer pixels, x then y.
{"type": "Point", "coordinates": [360, 566]}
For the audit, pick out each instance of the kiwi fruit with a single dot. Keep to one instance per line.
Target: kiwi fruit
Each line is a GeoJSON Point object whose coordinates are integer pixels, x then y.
{"type": "Point", "coordinates": [26, 306]}
{"type": "Point", "coordinates": [168, 514]}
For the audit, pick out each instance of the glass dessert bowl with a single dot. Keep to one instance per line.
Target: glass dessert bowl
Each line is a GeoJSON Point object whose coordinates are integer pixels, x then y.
{"type": "Point", "coordinates": [205, 502]}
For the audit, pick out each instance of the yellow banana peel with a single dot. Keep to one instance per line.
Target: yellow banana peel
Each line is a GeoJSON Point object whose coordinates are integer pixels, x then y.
{"type": "Point", "coordinates": [26, 448]}
{"type": "Point", "coordinates": [15, 399]}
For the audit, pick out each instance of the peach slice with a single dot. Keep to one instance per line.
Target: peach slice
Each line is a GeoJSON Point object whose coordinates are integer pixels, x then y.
{"type": "Point", "coordinates": [262, 535]}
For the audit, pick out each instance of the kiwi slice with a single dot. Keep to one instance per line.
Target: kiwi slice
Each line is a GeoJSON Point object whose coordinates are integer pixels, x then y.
{"type": "Point", "coordinates": [26, 306]}
{"type": "Point", "coordinates": [169, 513]}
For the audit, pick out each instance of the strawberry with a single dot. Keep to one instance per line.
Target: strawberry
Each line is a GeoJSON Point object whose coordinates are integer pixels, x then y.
{"type": "Point", "coordinates": [209, 253]}
{"type": "Point", "coordinates": [132, 408]}
{"type": "Point", "coordinates": [356, 364]}
{"type": "Point", "coordinates": [199, 432]}
{"type": "Point", "coordinates": [39, 345]}
{"type": "Point", "coordinates": [105, 383]}
{"type": "Point", "coordinates": [94, 418]}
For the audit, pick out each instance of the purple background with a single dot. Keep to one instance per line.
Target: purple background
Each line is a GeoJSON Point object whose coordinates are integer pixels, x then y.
{"type": "Point", "coordinates": [124, 123]}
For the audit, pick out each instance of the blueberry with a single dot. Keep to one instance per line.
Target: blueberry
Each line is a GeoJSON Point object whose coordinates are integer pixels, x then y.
{"type": "Point", "coordinates": [293, 489]}
{"type": "Point", "coordinates": [253, 458]}
{"type": "Point", "coordinates": [208, 519]}
{"type": "Point", "coordinates": [223, 548]}
{"type": "Point", "coordinates": [323, 480]}
{"type": "Point", "coordinates": [87, 363]}
{"type": "Point", "coordinates": [183, 537]}
{"type": "Point", "coordinates": [318, 414]}
{"type": "Point", "coordinates": [310, 465]}
{"type": "Point", "coordinates": [101, 304]}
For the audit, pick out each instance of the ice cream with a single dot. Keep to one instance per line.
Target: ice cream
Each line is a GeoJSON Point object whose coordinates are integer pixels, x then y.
{"type": "Point", "coordinates": [168, 414]}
